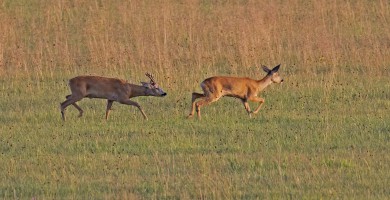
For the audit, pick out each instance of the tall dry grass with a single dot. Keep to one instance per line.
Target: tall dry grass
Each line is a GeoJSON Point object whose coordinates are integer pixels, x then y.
{"type": "Point", "coordinates": [199, 37]}
{"type": "Point", "coordinates": [322, 134]}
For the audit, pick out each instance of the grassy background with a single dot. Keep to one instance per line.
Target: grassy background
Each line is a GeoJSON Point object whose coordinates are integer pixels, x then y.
{"type": "Point", "coordinates": [324, 133]}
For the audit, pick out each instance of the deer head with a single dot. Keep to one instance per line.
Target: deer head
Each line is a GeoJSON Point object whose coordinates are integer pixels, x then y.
{"type": "Point", "coordinates": [153, 88]}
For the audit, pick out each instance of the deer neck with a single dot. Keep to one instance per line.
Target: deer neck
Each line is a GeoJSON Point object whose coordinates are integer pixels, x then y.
{"type": "Point", "coordinates": [137, 90]}
{"type": "Point", "coordinates": [265, 82]}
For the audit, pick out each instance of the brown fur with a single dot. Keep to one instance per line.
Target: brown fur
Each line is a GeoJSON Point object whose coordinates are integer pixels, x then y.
{"type": "Point", "coordinates": [242, 88]}
{"type": "Point", "coordinates": [112, 89]}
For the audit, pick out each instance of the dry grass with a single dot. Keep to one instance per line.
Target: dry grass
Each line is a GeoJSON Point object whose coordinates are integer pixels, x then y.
{"type": "Point", "coordinates": [205, 37]}
{"type": "Point", "coordinates": [320, 135]}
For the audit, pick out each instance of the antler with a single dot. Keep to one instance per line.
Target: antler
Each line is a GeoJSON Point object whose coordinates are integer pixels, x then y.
{"type": "Point", "coordinates": [151, 78]}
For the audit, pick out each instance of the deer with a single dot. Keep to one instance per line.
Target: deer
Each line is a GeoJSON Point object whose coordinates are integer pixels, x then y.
{"type": "Point", "coordinates": [243, 88]}
{"type": "Point", "coordinates": [112, 89]}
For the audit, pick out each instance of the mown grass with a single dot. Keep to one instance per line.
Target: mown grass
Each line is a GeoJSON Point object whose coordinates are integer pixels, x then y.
{"type": "Point", "coordinates": [303, 144]}
{"type": "Point", "coordinates": [321, 134]}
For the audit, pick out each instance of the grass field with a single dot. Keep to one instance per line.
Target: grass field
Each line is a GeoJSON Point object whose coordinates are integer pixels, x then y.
{"type": "Point", "coordinates": [322, 134]}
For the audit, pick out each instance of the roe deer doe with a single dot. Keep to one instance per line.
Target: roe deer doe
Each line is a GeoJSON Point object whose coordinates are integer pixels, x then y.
{"type": "Point", "coordinates": [243, 88]}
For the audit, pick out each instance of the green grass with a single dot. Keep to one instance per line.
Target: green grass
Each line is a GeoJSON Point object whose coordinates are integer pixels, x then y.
{"type": "Point", "coordinates": [322, 134]}
{"type": "Point", "coordinates": [309, 143]}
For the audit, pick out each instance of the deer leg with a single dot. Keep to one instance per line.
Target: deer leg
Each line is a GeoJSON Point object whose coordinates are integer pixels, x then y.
{"type": "Point", "coordinates": [194, 97]}
{"type": "Point", "coordinates": [78, 108]}
{"type": "Point", "coordinates": [204, 102]}
{"type": "Point", "coordinates": [109, 104]}
{"type": "Point", "coordinates": [133, 103]}
{"type": "Point", "coordinates": [247, 108]}
{"type": "Point", "coordinates": [69, 100]}
{"type": "Point", "coordinates": [260, 101]}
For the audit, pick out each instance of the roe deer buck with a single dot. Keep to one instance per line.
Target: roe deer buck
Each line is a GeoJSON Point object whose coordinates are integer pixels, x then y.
{"type": "Point", "coordinates": [239, 87]}
{"type": "Point", "coordinates": [111, 89]}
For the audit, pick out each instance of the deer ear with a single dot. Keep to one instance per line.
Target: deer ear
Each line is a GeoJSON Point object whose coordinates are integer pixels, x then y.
{"type": "Point", "coordinates": [147, 85]}
{"type": "Point", "coordinates": [275, 69]}
{"type": "Point", "coordinates": [265, 68]}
